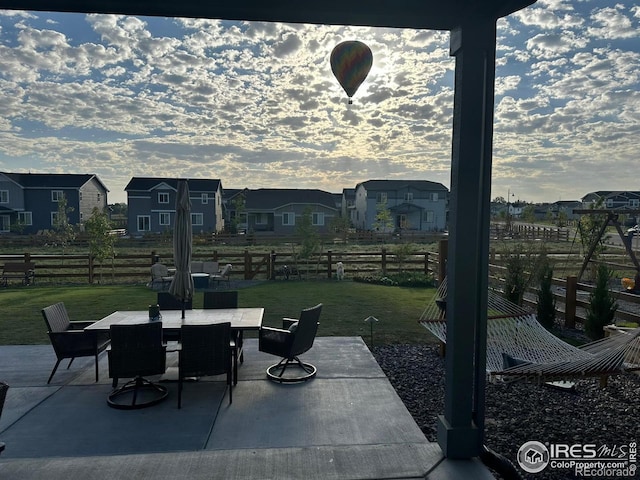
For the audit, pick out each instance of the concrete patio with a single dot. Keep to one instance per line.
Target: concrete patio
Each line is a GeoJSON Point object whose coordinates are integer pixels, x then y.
{"type": "Point", "coordinates": [347, 423]}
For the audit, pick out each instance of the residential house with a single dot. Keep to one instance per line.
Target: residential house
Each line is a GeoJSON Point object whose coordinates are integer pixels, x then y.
{"type": "Point", "coordinates": [29, 201]}
{"type": "Point", "coordinates": [233, 205]}
{"type": "Point", "coordinates": [414, 204]}
{"type": "Point", "coordinates": [613, 200]}
{"type": "Point", "coordinates": [152, 205]}
{"type": "Point", "coordinates": [565, 208]}
{"type": "Point", "coordinates": [279, 210]}
{"type": "Point", "coordinates": [349, 204]}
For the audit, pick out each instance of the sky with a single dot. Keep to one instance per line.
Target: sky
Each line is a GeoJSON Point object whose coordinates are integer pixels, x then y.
{"type": "Point", "coordinates": [256, 104]}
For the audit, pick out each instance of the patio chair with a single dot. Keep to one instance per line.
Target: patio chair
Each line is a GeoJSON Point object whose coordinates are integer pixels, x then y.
{"type": "Point", "coordinates": [204, 351]}
{"type": "Point", "coordinates": [160, 277]}
{"type": "Point", "coordinates": [295, 338]}
{"type": "Point", "coordinates": [136, 351]}
{"type": "Point", "coordinates": [221, 299]}
{"type": "Point", "coordinates": [223, 275]}
{"type": "Point", "coordinates": [3, 394]}
{"type": "Point", "coordinates": [166, 301]}
{"type": "Point", "coordinates": [228, 299]}
{"type": "Point", "coordinates": [69, 340]}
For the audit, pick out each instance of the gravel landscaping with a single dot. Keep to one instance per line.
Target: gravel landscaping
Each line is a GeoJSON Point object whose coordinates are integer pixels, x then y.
{"type": "Point", "coordinates": [519, 412]}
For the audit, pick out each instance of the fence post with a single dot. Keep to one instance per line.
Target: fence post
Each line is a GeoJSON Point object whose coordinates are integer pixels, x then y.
{"type": "Point", "coordinates": [153, 257]}
{"type": "Point", "coordinates": [426, 263]}
{"type": "Point", "coordinates": [27, 257]}
{"type": "Point", "coordinates": [215, 255]}
{"type": "Point", "coordinates": [247, 265]}
{"type": "Point", "coordinates": [570, 302]}
{"type": "Point", "coordinates": [384, 261]}
{"type": "Point", "coordinates": [329, 264]}
{"type": "Point", "coordinates": [443, 253]}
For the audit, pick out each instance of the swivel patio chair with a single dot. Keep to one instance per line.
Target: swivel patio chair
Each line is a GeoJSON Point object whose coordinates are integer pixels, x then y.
{"type": "Point", "coordinates": [136, 351]}
{"type": "Point", "coordinates": [69, 340]}
{"type": "Point", "coordinates": [204, 351]}
{"type": "Point", "coordinates": [295, 338]}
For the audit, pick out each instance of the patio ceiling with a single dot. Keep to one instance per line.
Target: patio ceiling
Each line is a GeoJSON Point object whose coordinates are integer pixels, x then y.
{"type": "Point", "coordinates": [429, 14]}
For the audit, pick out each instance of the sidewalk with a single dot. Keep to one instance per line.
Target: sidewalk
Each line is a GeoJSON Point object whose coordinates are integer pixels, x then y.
{"type": "Point", "coordinates": [347, 423]}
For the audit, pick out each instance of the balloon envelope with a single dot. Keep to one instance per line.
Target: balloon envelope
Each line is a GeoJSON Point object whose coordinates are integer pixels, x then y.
{"type": "Point", "coordinates": [350, 63]}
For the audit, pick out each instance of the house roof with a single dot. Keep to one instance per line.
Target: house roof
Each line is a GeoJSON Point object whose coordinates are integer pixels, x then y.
{"type": "Point", "coordinates": [611, 193]}
{"type": "Point", "coordinates": [271, 198]}
{"type": "Point", "coordinates": [388, 185]}
{"type": "Point", "coordinates": [195, 184]}
{"type": "Point", "coordinates": [52, 180]}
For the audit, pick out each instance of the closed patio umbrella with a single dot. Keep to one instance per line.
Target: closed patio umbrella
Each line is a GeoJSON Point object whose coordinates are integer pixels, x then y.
{"type": "Point", "coordinates": [182, 284]}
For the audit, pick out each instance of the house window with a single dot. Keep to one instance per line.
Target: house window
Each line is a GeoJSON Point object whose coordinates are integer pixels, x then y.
{"type": "Point", "coordinates": [205, 198]}
{"type": "Point", "coordinates": [381, 197]}
{"type": "Point", "coordinates": [98, 197]}
{"type": "Point", "coordinates": [261, 219]}
{"type": "Point", "coordinates": [56, 195]}
{"type": "Point", "coordinates": [428, 216]}
{"type": "Point", "coordinates": [408, 196]}
{"type": "Point", "coordinates": [434, 196]}
{"type": "Point", "coordinates": [81, 217]}
{"type": "Point", "coordinates": [164, 218]}
{"type": "Point", "coordinates": [25, 218]}
{"type": "Point", "coordinates": [4, 196]}
{"type": "Point", "coordinates": [288, 218]}
{"type": "Point", "coordinates": [80, 195]}
{"type": "Point", "coordinates": [317, 219]}
{"type": "Point", "coordinates": [4, 223]}
{"type": "Point", "coordinates": [144, 223]}
{"type": "Point", "coordinates": [54, 218]}
{"type": "Point", "coordinates": [163, 197]}
{"type": "Point", "coordinates": [634, 202]}
{"type": "Point", "coordinates": [197, 219]}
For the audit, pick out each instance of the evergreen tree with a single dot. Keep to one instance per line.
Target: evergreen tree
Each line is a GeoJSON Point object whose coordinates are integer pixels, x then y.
{"type": "Point", "coordinates": [546, 301]}
{"type": "Point", "coordinates": [602, 306]}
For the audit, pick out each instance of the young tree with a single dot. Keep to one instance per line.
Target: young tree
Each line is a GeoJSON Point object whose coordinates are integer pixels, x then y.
{"type": "Point", "coordinates": [589, 228]}
{"type": "Point", "coordinates": [63, 232]}
{"type": "Point", "coordinates": [309, 238]}
{"type": "Point", "coordinates": [602, 306]}
{"type": "Point", "coordinates": [101, 243]}
{"type": "Point", "coordinates": [239, 207]}
{"type": "Point", "coordinates": [384, 220]}
{"type": "Point", "coordinates": [340, 225]}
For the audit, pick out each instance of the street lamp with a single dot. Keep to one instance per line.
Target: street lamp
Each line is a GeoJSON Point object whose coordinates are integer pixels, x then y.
{"type": "Point", "coordinates": [509, 195]}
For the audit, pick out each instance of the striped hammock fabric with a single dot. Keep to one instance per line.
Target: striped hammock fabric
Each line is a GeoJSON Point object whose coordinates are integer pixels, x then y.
{"type": "Point", "coordinates": [518, 346]}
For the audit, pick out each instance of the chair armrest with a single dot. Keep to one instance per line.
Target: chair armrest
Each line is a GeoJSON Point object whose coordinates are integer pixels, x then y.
{"type": "Point", "coordinates": [273, 330]}
{"type": "Point", "coordinates": [287, 322]}
{"type": "Point", "coordinates": [79, 325]}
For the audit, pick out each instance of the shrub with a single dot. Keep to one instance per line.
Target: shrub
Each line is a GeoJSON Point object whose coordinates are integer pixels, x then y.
{"type": "Point", "coordinates": [405, 279]}
{"type": "Point", "coordinates": [602, 306]}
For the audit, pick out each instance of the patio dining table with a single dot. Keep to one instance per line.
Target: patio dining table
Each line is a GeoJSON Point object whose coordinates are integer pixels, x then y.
{"type": "Point", "coordinates": [241, 319]}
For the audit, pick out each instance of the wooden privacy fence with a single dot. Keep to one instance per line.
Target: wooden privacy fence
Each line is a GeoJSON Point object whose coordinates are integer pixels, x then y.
{"type": "Point", "coordinates": [78, 268]}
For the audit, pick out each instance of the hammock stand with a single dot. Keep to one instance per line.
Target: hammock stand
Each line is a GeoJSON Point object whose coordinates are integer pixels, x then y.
{"type": "Point", "coordinates": [519, 347]}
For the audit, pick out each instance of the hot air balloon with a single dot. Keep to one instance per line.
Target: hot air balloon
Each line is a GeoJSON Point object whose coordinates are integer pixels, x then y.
{"type": "Point", "coordinates": [350, 63]}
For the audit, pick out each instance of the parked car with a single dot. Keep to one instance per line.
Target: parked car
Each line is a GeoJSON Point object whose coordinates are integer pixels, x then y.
{"type": "Point", "coordinates": [633, 230]}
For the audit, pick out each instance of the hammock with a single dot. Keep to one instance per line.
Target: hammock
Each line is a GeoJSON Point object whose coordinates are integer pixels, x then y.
{"type": "Point", "coordinates": [519, 347]}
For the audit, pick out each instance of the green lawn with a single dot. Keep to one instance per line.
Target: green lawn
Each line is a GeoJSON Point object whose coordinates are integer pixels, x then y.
{"type": "Point", "coordinates": [346, 305]}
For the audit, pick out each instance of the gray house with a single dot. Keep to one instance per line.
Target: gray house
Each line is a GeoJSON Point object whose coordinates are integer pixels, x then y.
{"type": "Point", "coordinates": [279, 210]}
{"type": "Point", "coordinates": [29, 201]}
{"type": "Point", "coordinates": [613, 199]}
{"type": "Point", "coordinates": [152, 205]}
{"type": "Point", "coordinates": [414, 204]}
